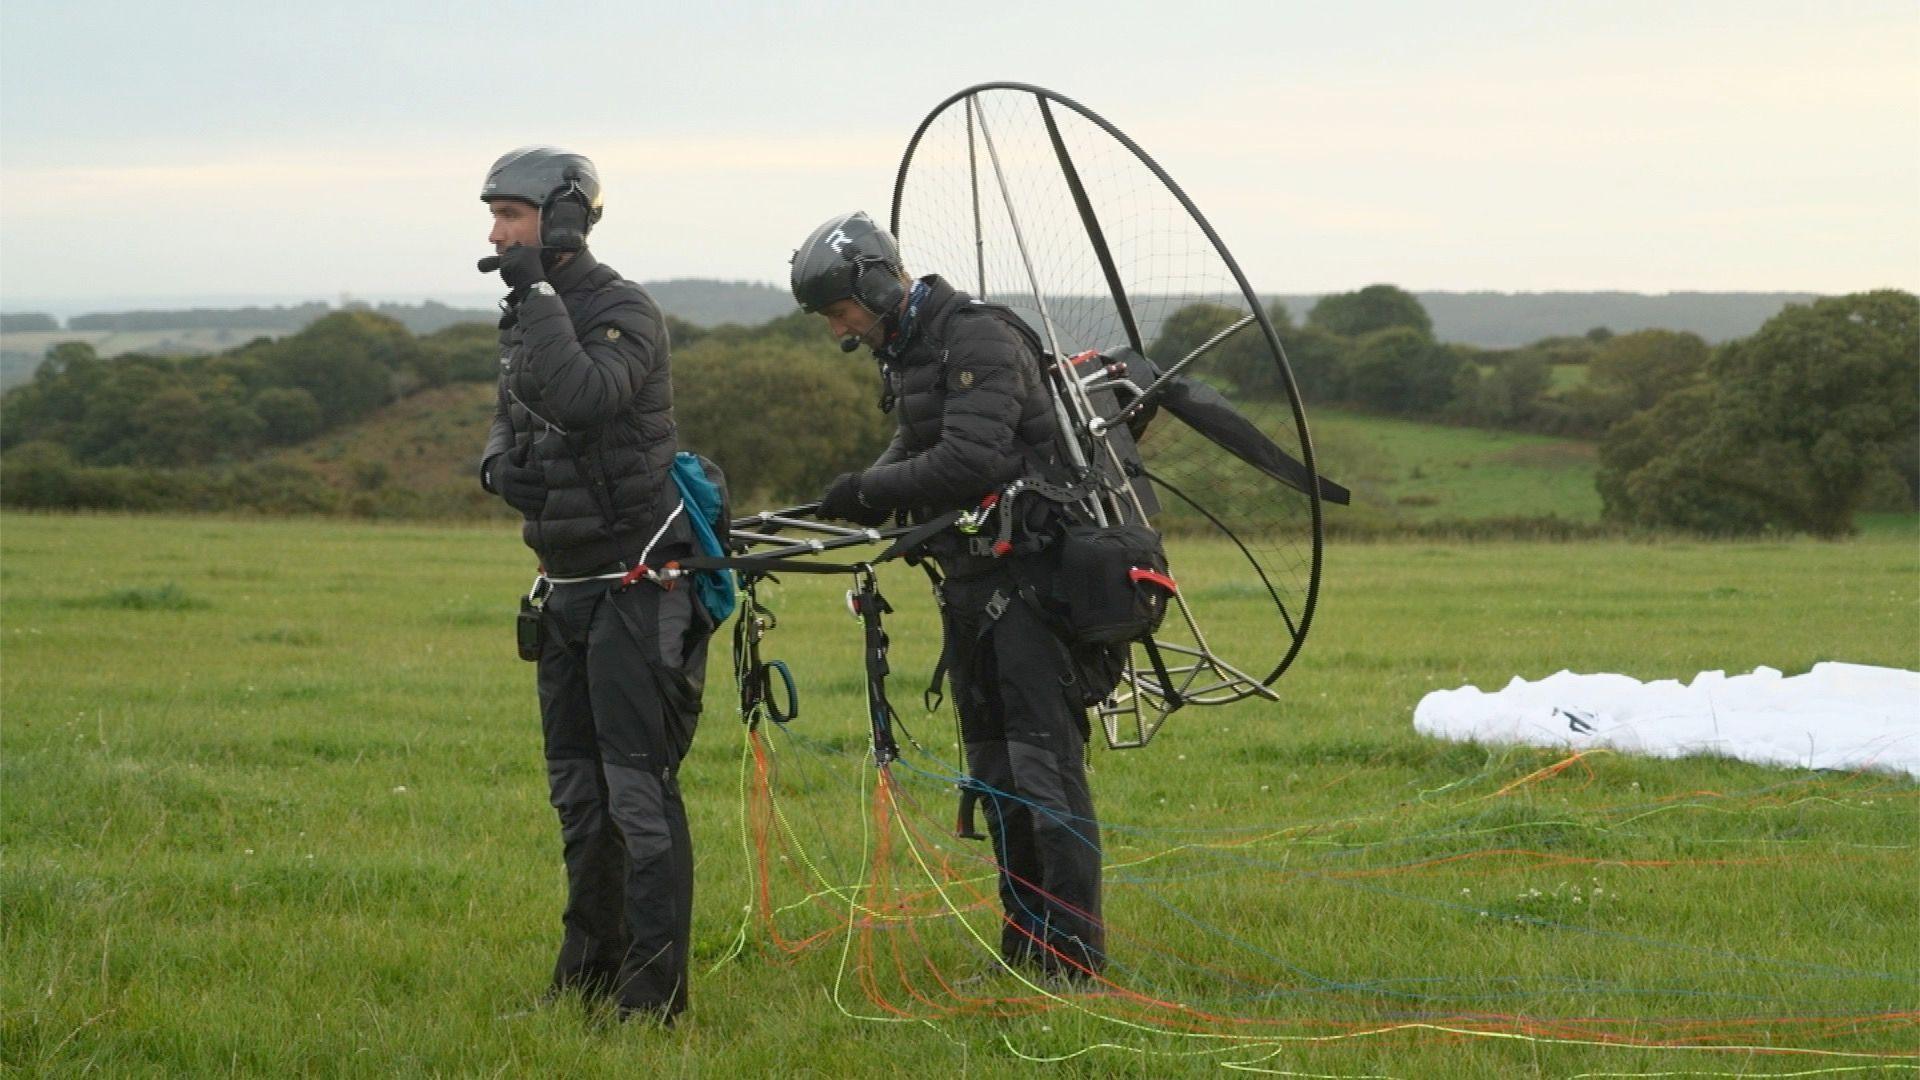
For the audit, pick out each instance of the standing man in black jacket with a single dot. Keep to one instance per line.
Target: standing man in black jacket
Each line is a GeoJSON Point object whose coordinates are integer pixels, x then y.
{"type": "Point", "coordinates": [581, 444]}
{"type": "Point", "coordinates": [975, 414]}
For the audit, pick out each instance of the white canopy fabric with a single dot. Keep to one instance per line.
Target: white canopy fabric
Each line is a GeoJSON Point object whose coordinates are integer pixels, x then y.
{"type": "Point", "coordinates": [1837, 716]}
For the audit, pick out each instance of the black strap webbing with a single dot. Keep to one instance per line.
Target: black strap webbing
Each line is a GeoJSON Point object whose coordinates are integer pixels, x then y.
{"type": "Point", "coordinates": [754, 564]}
{"type": "Point", "coordinates": [910, 543]}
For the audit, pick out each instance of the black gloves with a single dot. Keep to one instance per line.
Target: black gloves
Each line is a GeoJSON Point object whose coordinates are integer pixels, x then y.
{"type": "Point", "coordinates": [843, 501]}
{"type": "Point", "coordinates": [520, 267]}
{"type": "Point", "coordinates": [524, 488]}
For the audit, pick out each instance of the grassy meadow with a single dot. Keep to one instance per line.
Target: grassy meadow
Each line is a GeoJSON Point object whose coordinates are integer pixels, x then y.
{"type": "Point", "coordinates": [1409, 471]}
{"type": "Point", "coordinates": [271, 802]}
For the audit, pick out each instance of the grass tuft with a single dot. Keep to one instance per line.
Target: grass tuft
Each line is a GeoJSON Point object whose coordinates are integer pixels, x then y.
{"type": "Point", "coordinates": [167, 597]}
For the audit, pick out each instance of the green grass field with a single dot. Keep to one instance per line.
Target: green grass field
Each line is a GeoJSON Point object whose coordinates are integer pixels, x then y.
{"type": "Point", "coordinates": [1564, 377]}
{"type": "Point", "coordinates": [1406, 470]}
{"type": "Point", "coordinates": [273, 804]}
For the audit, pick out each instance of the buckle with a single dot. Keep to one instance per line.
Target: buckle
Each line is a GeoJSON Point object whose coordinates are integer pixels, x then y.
{"type": "Point", "coordinates": [997, 605]}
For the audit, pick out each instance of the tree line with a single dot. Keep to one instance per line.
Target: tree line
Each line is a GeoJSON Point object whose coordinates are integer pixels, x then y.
{"type": "Point", "coordinates": [779, 404]}
{"type": "Point", "coordinates": [422, 318]}
{"type": "Point", "coordinates": [1374, 349]}
{"type": "Point", "coordinates": [1786, 430]}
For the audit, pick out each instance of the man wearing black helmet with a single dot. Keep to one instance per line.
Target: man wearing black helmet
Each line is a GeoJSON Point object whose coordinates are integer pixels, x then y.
{"type": "Point", "coordinates": [974, 414]}
{"type": "Point", "coordinates": [581, 444]}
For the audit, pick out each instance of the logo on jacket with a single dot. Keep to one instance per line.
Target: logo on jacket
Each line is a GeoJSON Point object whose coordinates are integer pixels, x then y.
{"type": "Point", "coordinates": [966, 378]}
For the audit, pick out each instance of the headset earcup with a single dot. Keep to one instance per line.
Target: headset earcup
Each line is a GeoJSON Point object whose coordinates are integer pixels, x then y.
{"type": "Point", "coordinates": [877, 287]}
{"type": "Point", "coordinates": [564, 223]}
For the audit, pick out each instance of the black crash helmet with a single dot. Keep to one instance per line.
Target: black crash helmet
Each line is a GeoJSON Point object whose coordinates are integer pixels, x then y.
{"type": "Point", "coordinates": [848, 256]}
{"type": "Point", "coordinates": [539, 174]}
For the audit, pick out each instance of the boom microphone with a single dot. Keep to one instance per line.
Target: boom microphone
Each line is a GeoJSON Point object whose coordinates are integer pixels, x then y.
{"type": "Point", "coordinates": [849, 343]}
{"type": "Point", "coordinates": [489, 264]}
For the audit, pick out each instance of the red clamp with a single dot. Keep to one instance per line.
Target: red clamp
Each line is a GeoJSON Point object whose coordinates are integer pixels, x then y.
{"type": "Point", "coordinates": [1141, 573]}
{"type": "Point", "coordinates": [1002, 548]}
{"type": "Point", "coordinates": [641, 570]}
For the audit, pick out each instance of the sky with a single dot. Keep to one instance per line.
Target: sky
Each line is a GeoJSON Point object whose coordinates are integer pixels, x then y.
{"type": "Point", "coordinates": [200, 152]}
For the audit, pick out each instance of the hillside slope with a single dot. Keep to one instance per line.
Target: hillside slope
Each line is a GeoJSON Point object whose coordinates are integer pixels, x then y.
{"type": "Point", "coordinates": [1401, 471]}
{"type": "Point", "coordinates": [427, 444]}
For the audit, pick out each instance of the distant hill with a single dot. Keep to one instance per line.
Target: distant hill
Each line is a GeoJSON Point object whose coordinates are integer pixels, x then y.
{"type": "Point", "coordinates": [1504, 320]}
{"type": "Point", "coordinates": [716, 303]}
{"type": "Point", "coordinates": [1488, 319]}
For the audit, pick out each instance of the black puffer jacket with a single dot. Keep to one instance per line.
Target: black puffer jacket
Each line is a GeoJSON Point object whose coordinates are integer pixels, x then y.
{"type": "Point", "coordinates": [973, 412]}
{"type": "Point", "coordinates": [583, 436]}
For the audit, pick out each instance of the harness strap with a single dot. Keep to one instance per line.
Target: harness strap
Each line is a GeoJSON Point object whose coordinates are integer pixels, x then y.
{"type": "Point", "coordinates": [971, 791]}
{"type": "Point", "coordinates": [933, 696]}
{"type": "Point", "coordinates": [640, 569]}
{"type": "Point", "coordinates": [759, 564]}
{"type": "Point", "coordinates": [909, 544]}
{"type": "Point", "coordinates": [870, 606]}
{"type": "Point", "coordinates": [1173, 697]}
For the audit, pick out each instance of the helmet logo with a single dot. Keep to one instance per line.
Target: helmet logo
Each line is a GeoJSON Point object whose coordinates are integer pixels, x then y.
{"type": "Point", "coordinates": [838, 239]}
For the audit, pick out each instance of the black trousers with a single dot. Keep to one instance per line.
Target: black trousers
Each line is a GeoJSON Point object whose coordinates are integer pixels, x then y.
{"type": "Point", "coordinates": [1026, 735]}
{"type": "Point", "coordinates": [620, 675]}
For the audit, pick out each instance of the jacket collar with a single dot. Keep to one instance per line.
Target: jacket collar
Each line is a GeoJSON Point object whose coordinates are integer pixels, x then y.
{"type": "Point", "coordinates": [930, 324]}
{"type": "Point", "coordinates": [575, 272]}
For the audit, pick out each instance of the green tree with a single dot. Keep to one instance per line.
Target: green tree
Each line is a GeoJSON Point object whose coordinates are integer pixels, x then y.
{"type": "Point", "coordinates": [109, 432]}
{"type": "Point", "coordinates": [1401, 370]}
{"type": "Point", "coordinates": [1319, 362]}
{"type": "Point", "coordinates": [1506, 394]}
{"type": "Point", "coordinates": [1374, 308]}
{"type": "Point", "coordinates": [170, 428]}
{"type": "Point", "coordinates": [681, 334]}
{"type": "Point", "coordinates": [56, 401]}
{"type": "Point", "coordinates": [469, 352]}
{"type": "Point", "coordinates": [1247, 360]}
{"type": "Point", "coordinates": [1657, 469]}
{"type": "Point", "coordinates": [781, 418]}
{"type": "Point", "coordinates": [288, 414]}
{"type": "Point", "coordinates": [1640, 368]}
{"type": "Point", "coordinates": [346, 360]}
{"type": "Point", "coordinates": [1787, 430]}
{"type": "Point", "coordinates": [38, 474]}
{"type": "Point", "coordinates": [1244, 359]}
{"type": "Point", "coordinates": [1187, 329]}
